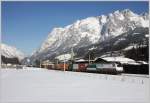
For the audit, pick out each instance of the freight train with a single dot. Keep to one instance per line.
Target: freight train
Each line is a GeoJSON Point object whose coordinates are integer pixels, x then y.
{"type": "Point", "coordinates": [98, 66]}
{"type": "Point", "coordinates": [108, 65]}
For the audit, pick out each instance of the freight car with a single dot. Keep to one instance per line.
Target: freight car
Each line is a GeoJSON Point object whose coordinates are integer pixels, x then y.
{"type": "Point", "coordinates": [62, 66]}
{"type": "Point", "coordinates": [47, 66]}
{"type": "Point", "coordinates": [80, 65]}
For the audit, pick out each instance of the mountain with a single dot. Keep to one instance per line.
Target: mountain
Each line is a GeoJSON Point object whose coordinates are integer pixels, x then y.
{"type": "Point", "coordinates": [93, 31]}
{"type": "Point", "coordinates": [11, 52]}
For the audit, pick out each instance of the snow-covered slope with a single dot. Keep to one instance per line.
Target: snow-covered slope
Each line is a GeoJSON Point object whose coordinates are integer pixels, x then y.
{"type": "Point", "coordinates": [80, 32]}
{"type": "Point", "coordinates": [90, 31]}
{"type": "Point", "coordinates": [35, 85]}
{"type": "Point", "coordinates": [11, 52]}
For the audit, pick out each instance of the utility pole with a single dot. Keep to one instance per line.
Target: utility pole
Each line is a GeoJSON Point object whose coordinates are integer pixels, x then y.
{"type": "Point", "coordinates": [89, 57]}
{"type": "Point", "coordinates": [64, 62]}
{"type": "Point", "coordinates": [72, 54]}
{"type": "Point", "coordinates": [40, 63]}
{"type": "Point", "coordinates": [56, 63]}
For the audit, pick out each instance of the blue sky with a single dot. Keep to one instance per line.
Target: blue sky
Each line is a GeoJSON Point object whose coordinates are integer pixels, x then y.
{"type": "Point", "coordinates": [26, 25]}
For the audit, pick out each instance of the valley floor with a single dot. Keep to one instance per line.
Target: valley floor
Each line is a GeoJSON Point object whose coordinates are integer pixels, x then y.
{"type": "Point", "coordinates": [41, 85]}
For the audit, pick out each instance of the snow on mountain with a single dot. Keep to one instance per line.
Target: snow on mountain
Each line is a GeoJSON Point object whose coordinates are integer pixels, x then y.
{"type": "Point", "coordinates": [90, 31]}
{"type": "Point", "coordinates": [73, 34]}
{"type": "Point", "coordinates": [64, 57]}
{"type": "Point", "coordinates": [11, 52]}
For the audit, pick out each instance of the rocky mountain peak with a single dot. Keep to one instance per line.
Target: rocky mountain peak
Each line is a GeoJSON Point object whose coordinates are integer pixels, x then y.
{"type": "Point", "coordinates": [90, 31]}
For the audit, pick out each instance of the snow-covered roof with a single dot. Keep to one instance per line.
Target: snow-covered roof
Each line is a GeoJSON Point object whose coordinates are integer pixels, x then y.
{"type": "Point", "coordinates": [100, 60]}
{"type": "Point", "coordinates": [83, 61]}
{"type": "Point", "coordinates": [119, 59]}
{"type": "Point", "coordinates": [80, 60]}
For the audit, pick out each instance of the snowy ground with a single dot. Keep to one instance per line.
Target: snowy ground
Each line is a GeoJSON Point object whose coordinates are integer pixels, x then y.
{"type": "Point", "coordinates": [43, 85]}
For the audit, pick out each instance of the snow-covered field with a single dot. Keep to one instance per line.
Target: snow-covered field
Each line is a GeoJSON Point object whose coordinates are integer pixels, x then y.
{"type": "Point", "coordinates": [41, 85]}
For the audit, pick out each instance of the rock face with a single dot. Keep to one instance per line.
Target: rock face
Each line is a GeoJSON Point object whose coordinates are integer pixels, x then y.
{"type": "Point", "coordinates": [11, 52]}
{"type": "Point", "coordinates": [90, 31]}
